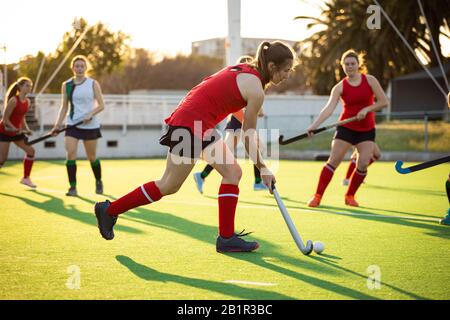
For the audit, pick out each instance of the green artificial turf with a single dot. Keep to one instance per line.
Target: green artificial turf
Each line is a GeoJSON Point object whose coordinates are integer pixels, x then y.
{"type": "Point", "coordinates": [167, 250]}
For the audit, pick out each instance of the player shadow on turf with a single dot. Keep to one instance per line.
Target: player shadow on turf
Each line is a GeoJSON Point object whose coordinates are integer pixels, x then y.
{"type": "Point", "coordinates": [324, 259]}
{"type": "Point", "coordinates": [436, 229]}
{"type": "Point", "coordinates": [53, 162]}
{"type": "Point", "coordinates": [228, 289]}
{"type": "Point", "coordinates": [317, 282]}
{"type": "Point", "coordinates": [206, 233]}
{"type": "Point", "coordinates": [4, 173]}
{"type": "Point", "coordinates": [56, 205]}
{"type": "Point", "coordinates": [439, 231]}
{"type": "Point", "coordinates": [405, 189]}
{"type": "Point", "coordinates": [362, 207]}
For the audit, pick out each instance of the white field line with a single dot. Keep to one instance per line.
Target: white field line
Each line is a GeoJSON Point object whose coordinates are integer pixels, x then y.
{"type": "Point", "coordinates": [263, 207]}
{"type": "Point", "coordinates": [262, 284]}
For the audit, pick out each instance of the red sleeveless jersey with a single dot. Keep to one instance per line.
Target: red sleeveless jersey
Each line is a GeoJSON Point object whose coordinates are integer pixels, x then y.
{"type": "Point", "coordinates": [211, 101]}
{"type": "Point", "coordinates": [16, 117]}
{"type": "Point", "coordinates": [354, 99]}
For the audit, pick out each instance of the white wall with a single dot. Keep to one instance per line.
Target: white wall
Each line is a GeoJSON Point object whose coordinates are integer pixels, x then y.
{"type": "Point", "coordinates": [135, 122]}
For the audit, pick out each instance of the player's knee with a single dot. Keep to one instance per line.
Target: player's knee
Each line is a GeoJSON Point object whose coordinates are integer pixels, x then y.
{"type": "Point", "coordinates": [236, 174]}
{"type": "Point", "coordinates": [334, 163]}
{"type": "Point", "coordinates": [362, 164]}
{"type": "Point", "coordinates": [233, 174]}
{"type": "Point", "coordinates": [31, 152]}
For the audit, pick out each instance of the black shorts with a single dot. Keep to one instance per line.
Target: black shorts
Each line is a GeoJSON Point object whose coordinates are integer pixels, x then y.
{"type": "Point", "coordinates": [354, 137]}
{"type": "Point", "coordinates": [182, 141]}
{"type": "Point", "coordinates": [234, 124]}
{"type": "Point", "coordinates": [6, 138]}
{"type": "Point", "coordinates": [83, 134]}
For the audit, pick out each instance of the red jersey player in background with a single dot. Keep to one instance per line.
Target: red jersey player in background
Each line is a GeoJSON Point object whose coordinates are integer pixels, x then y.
{"type": "Point", "coordinates": [191, 133]}
{"type": "Point", "coordinates": [357, 92]}
{"type": "Point", "coordinates": [13, 126]}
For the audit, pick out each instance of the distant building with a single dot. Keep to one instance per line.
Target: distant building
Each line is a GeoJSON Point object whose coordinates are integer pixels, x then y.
{"type": "Point", "coordinates": [216, 47]}
{"type": "Point", "coordinates": [416, 92]}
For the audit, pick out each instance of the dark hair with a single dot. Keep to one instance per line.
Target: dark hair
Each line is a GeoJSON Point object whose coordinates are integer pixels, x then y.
{"type": "Point", "coordinates": [15, 88]}
{"type": "Point", "coordinates": [351, 53]}
{"type": "Point", "coordinates": [276, 52]}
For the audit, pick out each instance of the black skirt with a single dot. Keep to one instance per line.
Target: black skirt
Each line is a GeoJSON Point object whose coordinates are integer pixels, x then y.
{"type": "Point", "coordinates": [354, 137]}
{"type": "Point", "coordinates": [6, 138]}
{"type": "Point", "coordinates": [83, 134]}
{"type": "Point", "coordinates": [182, 141]}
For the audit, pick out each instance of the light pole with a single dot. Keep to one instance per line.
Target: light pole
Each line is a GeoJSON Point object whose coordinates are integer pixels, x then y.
{"type": "Point", "coordinates": [233, 40]}
{"type": "Point", "coordinates": [5, 71]}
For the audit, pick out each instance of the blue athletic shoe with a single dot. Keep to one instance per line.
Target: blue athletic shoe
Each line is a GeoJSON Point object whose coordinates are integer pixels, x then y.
{"type": "Point", "coordinates": [446, 220]}
{"type": "Point", "coordinates": [260, 187]}
{"type": "Point", "coordinates": [199, 181]}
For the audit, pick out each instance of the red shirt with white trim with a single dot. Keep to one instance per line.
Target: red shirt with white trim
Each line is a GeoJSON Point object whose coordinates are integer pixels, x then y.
{"type": "Point", "coordinates": [212, 100]}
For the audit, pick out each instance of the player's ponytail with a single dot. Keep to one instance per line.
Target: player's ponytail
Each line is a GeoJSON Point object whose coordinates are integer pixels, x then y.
{"type": "Point", "coordinates": [14, 88]}
{"type": "Point", "coordinates": [261, 61]}
{"type": "Point", "coordinates": [276, 52]}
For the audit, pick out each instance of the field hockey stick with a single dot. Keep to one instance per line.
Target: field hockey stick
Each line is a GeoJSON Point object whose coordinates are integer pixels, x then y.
{"type": "Point", "coordinates": [420, 166]}
{"type": "Point", "coordinates": [305, 135]}
{"type": "Point", "coordinates": [306, 250]}
{"type": "Point", "coordinates": [49, 135]}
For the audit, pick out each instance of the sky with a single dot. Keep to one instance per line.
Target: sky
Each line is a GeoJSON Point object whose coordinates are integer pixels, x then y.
{"type": "Point", "coordinates": [165, 26]}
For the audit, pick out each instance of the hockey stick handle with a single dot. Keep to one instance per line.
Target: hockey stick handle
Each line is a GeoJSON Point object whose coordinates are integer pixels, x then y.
{"type": "Point", "coordinates": [305, 135]}
{"type": "Point", "coordinates": [49, 135]}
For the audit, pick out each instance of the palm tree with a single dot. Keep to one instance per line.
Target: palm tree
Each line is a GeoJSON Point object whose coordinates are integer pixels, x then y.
{"type": "Point", "coordinates": [343, 24]}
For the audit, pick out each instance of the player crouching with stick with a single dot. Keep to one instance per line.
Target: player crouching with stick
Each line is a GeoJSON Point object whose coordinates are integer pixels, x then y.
{"type": "Point", "coordinates": [357, 92]}
{"type": "Point", "coordinates": [192, 124]}
{"type": "Point", "coordinates": [13, 126]}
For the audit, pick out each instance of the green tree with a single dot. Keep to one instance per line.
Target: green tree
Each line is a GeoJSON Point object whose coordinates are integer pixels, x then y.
{"type": "Point", "coordinates": [343, 26]}
{"type": "Point", "coordinates": [104, 49]}
{"type": "Point", "coordinates": [141, 70]}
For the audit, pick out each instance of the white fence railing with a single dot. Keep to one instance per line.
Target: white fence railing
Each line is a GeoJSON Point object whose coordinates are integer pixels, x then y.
{"type": "Point", "coordinates": [132, 123]}
{"type": "Point", "coordinates": [134, 110]}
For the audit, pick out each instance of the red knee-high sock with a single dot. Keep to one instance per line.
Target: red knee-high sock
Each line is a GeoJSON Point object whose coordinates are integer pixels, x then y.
{"type": "Point", "coordinates": [356, 180]}
{"type": "Point", "coordinates": [228, 199]}
{"type": "Point", "coordinates": [27, 165]}
{"type": "Point", "coordinates": [351, 168]}
{"type": "Point", "coordinates": [145, 194]}
{"type": "Point", "coordinates": [325, 178]}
